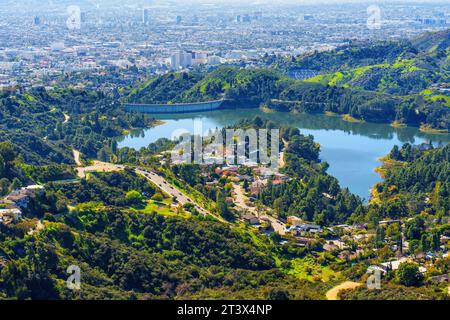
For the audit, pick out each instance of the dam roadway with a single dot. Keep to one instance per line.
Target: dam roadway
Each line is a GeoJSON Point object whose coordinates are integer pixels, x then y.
{"type": "Point", "coordinates": [173, 108]}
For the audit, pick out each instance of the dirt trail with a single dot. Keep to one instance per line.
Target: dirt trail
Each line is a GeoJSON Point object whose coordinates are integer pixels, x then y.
{"type": "Point", "coordinates": [333, 294]}
{"type": "Point", "coordinates": [66, 118]}
{"type": "Point", "coordinates": [99, 166]}
{"type": "Point", "coordinates": [39, 227]}
{"type": "Point", "coordinates": [76, 156]}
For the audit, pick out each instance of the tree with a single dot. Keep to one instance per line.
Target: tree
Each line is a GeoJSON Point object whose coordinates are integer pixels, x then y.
{"type": "Point", "coordinates": [278, 206]}
{"type": "Point", "coordinates": [379, 237]}
{"type": "Point", "coordinates": [222, 206]}
{"type": "Point", "coordinates": [436, 241]}
{"type": "Point", "coordinates": [134, 197]}
{"type": "Point", "coordinates": [246, 185]}
{"type": "Point", "coordinates": [102, 155]}
{"type": "Point", "coordinates": [395, 153]}
{"type": "Point", "coordinates": [4, 186]}
{"type": "Point", "coordinates": [409, 275]}
{"type": "Point", "coordinates": [7, 151]}
{"type": "Point", "coordinates": [424, 243]}
{"type": "Point", "coordinates": [158, 197]}
{"type": "Point", "coordinates": [278, 294]}
{"type": "Point", "coordinates": [2, 166]}
{"type": "Point", "coordinates": [16, 184]}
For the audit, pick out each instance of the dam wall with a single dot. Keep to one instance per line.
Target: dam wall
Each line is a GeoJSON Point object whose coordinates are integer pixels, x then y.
{"type": "Point", "coordinates": [173, 108]}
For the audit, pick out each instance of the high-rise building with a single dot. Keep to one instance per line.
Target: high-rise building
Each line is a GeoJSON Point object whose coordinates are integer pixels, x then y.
{"type": "Point", "coordinates": [178, 19]}
{"type": "Point", "coordinates": [200, 55]}
{"type": "Point", "coordinates": [186, 59]}
{"type": "Point", "coordinates": [213, 60]}
{"type": "Point", "coordinates": [37, 20]}
{"type": "Point", "coordinates": [145, 16]}
{"type": "Point", "coordinates": [258, 15]}
{"type": "Point", "coordinates": [181, 60]}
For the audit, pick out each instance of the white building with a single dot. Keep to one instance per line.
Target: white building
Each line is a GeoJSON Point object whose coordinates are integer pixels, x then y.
{"type": "Point", "coordinates": [145, 16]}
{"type": "Point", "coordinates": [214, 60]}
{"type": "Point", "coordinates": [181, 60]}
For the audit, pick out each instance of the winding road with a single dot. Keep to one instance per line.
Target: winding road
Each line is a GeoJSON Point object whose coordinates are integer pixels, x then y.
{"type": "Point", "coordinates": [170, 190]}
{"type": "Point", "coordinates": [157, 180]}
{"type": "Point", "coordinates": [240, 201]}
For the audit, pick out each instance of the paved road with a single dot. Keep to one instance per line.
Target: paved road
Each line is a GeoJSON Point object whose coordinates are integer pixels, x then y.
{"type": "Point", "coordinates": [277, 225]}
{"type": "Point", "coordinates": [240, 201]}
{"type": "Point", "coordinates": [165, 186]}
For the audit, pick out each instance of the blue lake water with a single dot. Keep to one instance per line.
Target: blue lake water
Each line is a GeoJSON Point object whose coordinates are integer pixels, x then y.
{"type": "Point", "coordinates": [351, 149]}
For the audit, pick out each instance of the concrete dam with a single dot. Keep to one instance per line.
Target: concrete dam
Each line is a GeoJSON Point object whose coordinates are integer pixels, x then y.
{"type": "Point", "coordinates": [174, 108]}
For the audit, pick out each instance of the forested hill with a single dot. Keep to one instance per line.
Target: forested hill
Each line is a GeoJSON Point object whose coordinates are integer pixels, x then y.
{"type": "Point", "coordinates": [404, 82]}
{"type": "Point", "coordinates": [43, 125]}
{"type": "Point", "coordinates": [404, 67]}
{"type": "Point", "coordinates": [126, 251]}
{"type": "Point", "coordinates": [241, 86]}
{"type": "Point", "coordinates": [418, 179]}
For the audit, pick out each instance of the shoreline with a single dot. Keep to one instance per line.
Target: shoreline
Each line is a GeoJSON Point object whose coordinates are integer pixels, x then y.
{"type": "Point", "coordinates": [427, 129]}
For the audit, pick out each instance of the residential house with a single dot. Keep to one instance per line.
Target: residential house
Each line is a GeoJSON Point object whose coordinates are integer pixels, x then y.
{"type": "Point", "coordinates": [303, 241]}
{"type": "Point", "coordinates": [8, 216]}
{"type": "Point", "coordinates": [392, 265]}
{"type": "Point", "coordinates": [21, 198]}
{"type": "Point", "coordinates": [250, 218]}
{"type": "Point", "coordinates": [330, 246]}
{"type": "Point", "coordinates": [298, 226]}
{"type": "Point", "coordinates": [256, 187]}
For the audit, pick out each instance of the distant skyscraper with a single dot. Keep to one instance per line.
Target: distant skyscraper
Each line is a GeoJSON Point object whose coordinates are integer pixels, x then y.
{"type": "Point", "coordinates": [145, 16]}
{"type": "Point", "coordinates": [213, 60]}
{"type": "Point", "coordinates": [175, 61]}
{"type": "Point", "coordinates": [181, 60]}
{"type": "Point", "coordinates": [246, 18]}
{"type": "Point", "coordinates": [37, 20]}
{"type": "Point", "coordinates": [178, 19]}
{"type": "Point", "coordinates": [258, 15]}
